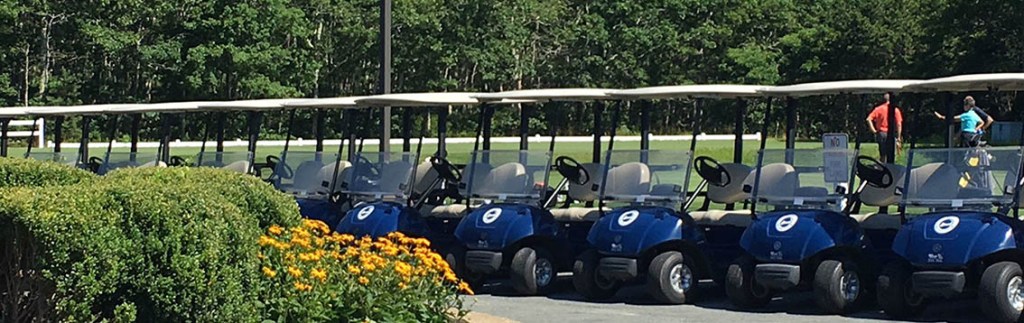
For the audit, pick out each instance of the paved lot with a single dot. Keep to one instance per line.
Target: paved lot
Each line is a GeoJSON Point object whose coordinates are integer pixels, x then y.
{"type": "Point", "coordinates": [632, 305]}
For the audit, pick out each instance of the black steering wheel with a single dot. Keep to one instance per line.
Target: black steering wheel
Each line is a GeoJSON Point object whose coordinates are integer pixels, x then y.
{"type": "Point", "coordinates": [285, 171]}
{"type": "Point", "coordinates": [445, 169]}
{"type": "Point", "coordinates": [572, 170]}
{"type": "Point", "coordinates": [95, 163]}
{"type": "Point", "coordinates": [177, 161]}
{"type": "Point", "coordinates": [874, 172]}
{"type": "Point", "coordinates": [363, 162]}
{"type": "Point", "coordinates": [710, 170]}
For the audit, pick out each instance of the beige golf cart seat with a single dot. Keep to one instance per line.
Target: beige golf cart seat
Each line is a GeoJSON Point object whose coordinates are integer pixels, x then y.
{"type": "Point", "coordinates": [881, 197]}
{"type": "Point", "coordinates": [629, 179]}
{"type": "Point", "coordinates": [728, 194]}
{"type": "Point", "coordinates": [425, 176]}
{"type": "Point", "coordinates": [307, 176]}
{"type": "Point", "coordinates": [241, 166]}
{"type": "Point", "coordinates": [475, 174]}
{"type": "Point", "coordinates": [154, 163]}
{"type": "Point", "coordinates": [395, 176]}
{"type": "Point", "coordinates": [509, 178]}
{"type": "Point", "coordinates": [586, 192]}
{"type": "Point", "coordinates": [325, 178]}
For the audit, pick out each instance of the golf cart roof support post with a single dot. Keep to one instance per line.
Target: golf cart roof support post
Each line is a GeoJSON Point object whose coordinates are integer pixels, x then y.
{"type": "Point", "coordinates": [737, 146]}
{"type": "Point", "coordinates": [597, 131]}
{"type": "Point", "coordinates": [221, 120]}
{"type": "Point", "coordinates": [341, 147]}
{"type": "Point", "coordinates": [255, 119]}
{"type": "Point", "coordinates": [350, 133]}
{"type": "Point", "coordinates": [553, 129]}
{"type": "Point", "coordinates": [760, 154]}
{"type": "Point", "coordinates": [442, 132]}
{"type": "Point", "coordinates": [165, 137]}
{"type": "Point", "coordinates": [890, 152]}
{"type": "Point", "coordinates": [111, 136]}
{"type": "Point", "coordinates": [291, 127]}
{"type": "Point", "coordinates": [645, 124]}
{"type": "Point", "coordinates": [4, 127]}
{"type": "Point", "coordinates": [487, 131]}
{"type": "Point", "coordinates": [616, 114]}
{"type": "Point", "coordinates": [32, 134]}
{"type": "Point", "coordinates": [949, 102]}
{"type": "Point", "coordinates": [83, 145]}
{"type": "Point", "coordinates": [524, 126]}
{"type": "Point", "coordinates": [362, 132]}
{"type": "Point", "coordinates": [424, 124]}
{"type": "Point", "coordinates": [480, 125]}
{"type": "Point", "coordinates": [58, 133]}
{"type": "Point", "coordinates": [698, 107]}
{"type": "Point", "coordinates": [406, 130]}
{"type": "Point", "coordinates": [790, 123]}
{"type": "Point", "coordinates": [133, 132]}
{"type": "Point", "coordinates": [206, 137]}
{"type": "Point", "coordinates": [318, 129]}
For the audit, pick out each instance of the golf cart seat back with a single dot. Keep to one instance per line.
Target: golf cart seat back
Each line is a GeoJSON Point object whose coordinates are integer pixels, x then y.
{"type": "Point", "coordinates": [476, 173]}
{"type": "Point", "coordinates": [733, 191]}
{"type": "Point", "coordinates": [934, 181]}
{"type": "Point", "coordinates": [425, 176]}
{"type": "Point", "coordinates": [778, 179]}
{"type": "Point", "coordinates": [629, 179]}
{"type": "Point", "coordinates": [395, 176]}
{"type": "Point", "coordinates": [450, 211]}
{"type": "Point", "coordinates": [509, 178]}
{"type": "Point", "coordinates": [588, 191]}
{"type": "Point", "coordinates": [878, 221]}
{"type": "Point", "coordinates": [326, 178]}
{"type": "Point", "coordinates": [154, 163]}
{"type": "Point", "coordinates": [876, 196]}
{"type": "Point", "coordinates": [736, 218]}
{"type": "Point", "coordinates": [241, 166]}
{"type": "Point", "coordinates": [307, 175]}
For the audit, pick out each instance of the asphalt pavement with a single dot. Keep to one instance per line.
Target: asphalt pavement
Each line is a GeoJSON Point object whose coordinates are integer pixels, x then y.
{"type": "Point", "coordinates": [498, 303]}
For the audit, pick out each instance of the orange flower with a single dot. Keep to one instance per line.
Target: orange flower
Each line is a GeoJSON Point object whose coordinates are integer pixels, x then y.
{"type": "Point", "coordinates": [299, 286]}
{"type": "Point", "coordinates": [275, 230]}
{"type": "Point", "coordinates": [363, 280]}
{"type": "Point", "coordinates": [319, 274]}
{"type": "Point", "coordinates": [463, 287]}
{"type": "Point", "coordinates": [354, 270]}
{"type": "Point", "coordinates": [269, 272]}
{"type": "Point", "coordinates": [295, 272]}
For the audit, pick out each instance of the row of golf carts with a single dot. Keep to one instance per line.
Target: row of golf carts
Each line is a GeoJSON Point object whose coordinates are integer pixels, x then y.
{"type": "Point", "coordinates": [790, 222]}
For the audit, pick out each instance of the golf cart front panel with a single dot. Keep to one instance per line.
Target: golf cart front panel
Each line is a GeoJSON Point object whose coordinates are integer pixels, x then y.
{"type": "Point", "coordinates": [508, 185]}
{"type": "Point", "coordinates": [963, 188]}
{"type": "Point", "coordinates": [805, 190]}
{"type": "Point", "coordinates": [378, 184]}
{"type": "Point", "coordinates": [648, 186]}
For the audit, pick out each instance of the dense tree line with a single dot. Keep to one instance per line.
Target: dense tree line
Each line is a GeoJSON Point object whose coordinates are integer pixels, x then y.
{"type": "Point", "coordinates": [59, 52]}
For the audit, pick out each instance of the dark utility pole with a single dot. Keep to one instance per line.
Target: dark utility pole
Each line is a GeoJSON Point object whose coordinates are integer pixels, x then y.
{"type": "Point", "coordinates": [385, 71]}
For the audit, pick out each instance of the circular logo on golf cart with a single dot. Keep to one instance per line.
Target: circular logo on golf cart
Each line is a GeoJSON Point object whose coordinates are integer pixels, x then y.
{"type": "Point", "coordinates": [364, 212]}
{"type": "Point", "coordinates": [946, 224]}
{"type": "Point", "coordinates": [786, 222]}
{"type": "Point", "coordinates": [491, 215]}
{"type": "Point", "coordinates": [628, 218]}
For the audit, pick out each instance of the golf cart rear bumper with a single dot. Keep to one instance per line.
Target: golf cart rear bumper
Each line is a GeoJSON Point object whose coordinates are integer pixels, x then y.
{"type": "Point", "coordinates": [939, 283]}
{"type": "Point", "coordinates": [777, 276]}
{"type": "Point", "coordinates": [617, 268]}
{"type": "Point", "coordinates": [482, 261]}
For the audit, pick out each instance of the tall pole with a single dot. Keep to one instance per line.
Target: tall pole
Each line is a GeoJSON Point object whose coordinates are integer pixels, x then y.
{"type": "Point", "coordinates": [385, 71]}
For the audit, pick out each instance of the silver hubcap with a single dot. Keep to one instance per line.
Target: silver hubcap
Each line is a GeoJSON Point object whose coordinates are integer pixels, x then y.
{"type": "Point", "coordinates": [543, 271]}
{"type": "Point", "coordinates": [1015, 293]}
{"type": "Point", "coordinates": [681, 278]}
{"type": "Point", "coordinates": [850, 285]}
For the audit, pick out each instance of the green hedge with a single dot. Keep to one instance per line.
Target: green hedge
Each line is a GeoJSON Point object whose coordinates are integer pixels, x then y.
{"type": "Point", "coordinates": [171, 244]}
{"type": "Point", "coordinates": [20, 172]}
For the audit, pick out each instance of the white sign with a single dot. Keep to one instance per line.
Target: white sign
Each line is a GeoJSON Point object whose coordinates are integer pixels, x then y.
{"type": "Point", "coordinates": [364, 212]}
{"type": "Point", "coordinates": [946, 224]}
{"type": "Point", "coordinates": [837, 158]}
{"type": "Point", "coordinates": [786, 222]}
{"type": "Point", "coordinates": [491, 215]}
{"type": "Point", "coordinates": [628, 218]}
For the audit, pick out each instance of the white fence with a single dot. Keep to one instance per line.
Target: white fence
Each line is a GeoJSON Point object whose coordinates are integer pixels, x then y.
{"type": "Point", "coordinates": [39, 133]}
{"type": "Point", "coordinates": [397, 141]}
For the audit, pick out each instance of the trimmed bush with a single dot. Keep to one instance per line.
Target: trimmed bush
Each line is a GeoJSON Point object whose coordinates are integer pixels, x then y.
{"type": "Point", "coordinates": [19, 172]}
{"type": "Point", "coordinates": [250, 194]}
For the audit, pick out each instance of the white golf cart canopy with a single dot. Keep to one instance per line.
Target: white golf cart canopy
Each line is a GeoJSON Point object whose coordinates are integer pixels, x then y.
{"type": "Point", "coordinates": [248, 105]}
{"type": "Point", "coordinates": [840, 87]}
{"type": "Point", "coordinates": [80, 110]}
{"type": "Point", "coordinates": [973, 82]}
{"type": "Point", "coordinates": [546, 95]}
{"type": "Point", "coordinates": [348, 102]}
{"type": "Point", "coordinates": [433, 99]}
{"type": "Point", "coordinates": [165, 107]}
{"type": "Point", "coordinates": [711, 91]}
{"type": "Point", "coordinates": [15, 112]}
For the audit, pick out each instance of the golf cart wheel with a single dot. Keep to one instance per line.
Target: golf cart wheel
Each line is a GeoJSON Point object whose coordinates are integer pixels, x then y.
{"type": "Point", "coordinates": [456, 258]}
{"type": "Point", "coordinates": [671, 278]}
{"type": "Point", "coordinates": [588, 282]}
{"type": "Point", "coordinates": [838, 286]}
{"type": "Point", "coordinates": [532, 271]}
{"type": "Point", "coordinates": [1001, 292]}
{"type": "Point", "coordinates": [895, 293]}
{"type": "Point", "coordinates": [741, 288]}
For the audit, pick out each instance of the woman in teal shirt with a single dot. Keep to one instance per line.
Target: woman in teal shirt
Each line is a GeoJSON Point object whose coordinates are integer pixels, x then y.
{"type": "Point", "coordinates": [970, 126]}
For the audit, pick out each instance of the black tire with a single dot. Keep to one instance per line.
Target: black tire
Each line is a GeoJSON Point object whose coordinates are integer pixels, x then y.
{"type": "Point", "coordinates": [838, 286]}
{"type": "Point", "coordinates": [660, 282]}
{"type": "Point", "coordinates": [993, 296]}
{"type": "Point", "coordinates": [741, 288]}
{"type": "Point", "coordinates": [895, 294]}
{"type": "Point", "coordinates": [588, 282]}
{"type": "Point", "coordinates": [456, 258]}
{"type": "Point", "coordinates": [524, 271]}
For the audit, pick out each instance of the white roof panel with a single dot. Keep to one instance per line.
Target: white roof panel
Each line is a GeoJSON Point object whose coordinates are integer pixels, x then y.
{"type": "Point", "coordinates": [166, 107]}
{"type": "Point", "coordinates": [248, 105]}
{"type": "Point", "coordinates": [342, 102]}
{"type": "Point", "coordinates": [730, 91]}
{"type": "Point", "coordinates": [13, 112]}
{"type": "Point", "coordinates": [77, 110]}
{"type": "Point", "coordinates": [840, 87]}
{"type": "Point", "coordinates": [974, 82]}
{"type": "Point", "coordinates": [420, 99]}
{"type": "Point", "coordinates": [545, 95]}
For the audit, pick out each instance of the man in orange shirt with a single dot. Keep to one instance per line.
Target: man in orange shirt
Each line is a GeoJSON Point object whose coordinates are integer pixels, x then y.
{"type": "Point", "coordinates": [878, 122]}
